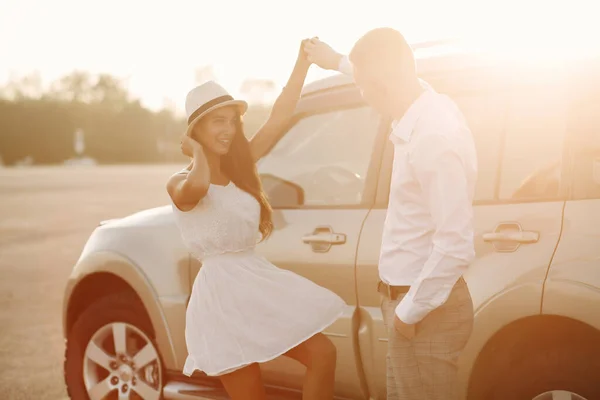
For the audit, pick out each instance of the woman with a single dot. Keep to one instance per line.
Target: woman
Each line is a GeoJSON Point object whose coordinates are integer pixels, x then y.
{"type": "Point", "coordinates": [243, 310]}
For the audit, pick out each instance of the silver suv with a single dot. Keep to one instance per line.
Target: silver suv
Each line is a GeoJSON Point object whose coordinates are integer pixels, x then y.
{"type": "Point", "coordinates": [535, 282]}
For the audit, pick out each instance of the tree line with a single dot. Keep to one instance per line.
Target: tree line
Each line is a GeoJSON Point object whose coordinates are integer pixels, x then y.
{"type": "Point", "coordinates": [116, 128]}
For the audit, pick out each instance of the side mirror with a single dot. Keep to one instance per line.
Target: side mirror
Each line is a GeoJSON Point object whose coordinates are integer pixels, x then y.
{"type": "Point", "coordinates": [282, 193]}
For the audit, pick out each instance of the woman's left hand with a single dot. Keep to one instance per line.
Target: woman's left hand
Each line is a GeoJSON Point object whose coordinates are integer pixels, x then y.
{"type": "Point", "coordinates": [302, 55]}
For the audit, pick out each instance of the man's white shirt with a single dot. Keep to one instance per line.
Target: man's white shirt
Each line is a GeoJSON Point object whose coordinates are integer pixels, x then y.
{"type": "Point", "coordinates": [428, 233]}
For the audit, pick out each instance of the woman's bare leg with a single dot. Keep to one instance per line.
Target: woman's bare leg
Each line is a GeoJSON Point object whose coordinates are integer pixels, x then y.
{"type": "Point", "coordinates": [244, 384]}
{"type": "Point", "coordinates": [319, 356]}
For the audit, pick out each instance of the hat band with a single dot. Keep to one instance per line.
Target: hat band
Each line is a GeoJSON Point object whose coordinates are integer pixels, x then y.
{"type": "Point", "coordinates": [208, 105]}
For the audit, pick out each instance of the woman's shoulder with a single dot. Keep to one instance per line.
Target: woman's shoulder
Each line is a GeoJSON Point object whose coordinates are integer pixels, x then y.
{"type": "Point", "coordinates": [182, 172]}
{"type": "Point", "coordinates": [173, 182]}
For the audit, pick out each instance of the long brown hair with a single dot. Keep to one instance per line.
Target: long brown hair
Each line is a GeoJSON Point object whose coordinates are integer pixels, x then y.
{"type": "Point", "coordinates": [239, 166]}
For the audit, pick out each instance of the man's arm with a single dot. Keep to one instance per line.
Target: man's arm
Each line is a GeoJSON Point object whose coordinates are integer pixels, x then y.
{"type": "Point", "coordinates": [345, 66]}
{"type": "Point", "coordinates": [443, 179]}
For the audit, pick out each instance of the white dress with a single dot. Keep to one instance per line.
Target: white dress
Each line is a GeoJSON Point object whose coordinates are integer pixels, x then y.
{"type": "Point", "coordinates": [243, 309]}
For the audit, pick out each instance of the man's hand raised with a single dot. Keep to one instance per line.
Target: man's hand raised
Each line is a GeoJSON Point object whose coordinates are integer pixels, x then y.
{"type": "Point", "coordinates": [321, 54]}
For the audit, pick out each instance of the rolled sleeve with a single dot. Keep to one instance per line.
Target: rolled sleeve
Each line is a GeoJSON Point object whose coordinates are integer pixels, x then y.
{"type": "Point", "coordinates": [345, 66]}
{"type": "Point", "coordinates": [441, 173]}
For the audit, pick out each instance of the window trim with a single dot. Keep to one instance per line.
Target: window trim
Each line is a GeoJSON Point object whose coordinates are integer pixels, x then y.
{"type": "Point", "coordinates": [371, 180]}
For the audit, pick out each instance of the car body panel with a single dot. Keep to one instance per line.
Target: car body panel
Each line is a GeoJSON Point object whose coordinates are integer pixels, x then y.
{"type": "Point", "coordinates": [150, 239]}
{"type": "Point", "coordinates": [146, 250]}
{"type": "Point", "coordinates": [333, 270]}
{"type": "Point", "coordinates": [573, 285]}
{"type": "Point", "coordinates": [514, 293]}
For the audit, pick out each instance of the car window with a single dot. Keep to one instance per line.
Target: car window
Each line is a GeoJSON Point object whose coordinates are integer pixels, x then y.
{"type": "Point", "coordinates": [485, 113]}
{"type": "Point", "coordinates": [533, 146]}
{"type": "Point", "coordinates": [322, 160]}
{"type": "Point", "coordinates": [519, 136]}
{"type": "Point", "coordinates": [585, 131]}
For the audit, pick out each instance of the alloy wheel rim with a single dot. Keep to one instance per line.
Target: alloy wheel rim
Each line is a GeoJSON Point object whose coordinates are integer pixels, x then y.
{"type": "Point", "coordinates": [121, 362]}
{"type": "Point", "coordinates": [559, 395]}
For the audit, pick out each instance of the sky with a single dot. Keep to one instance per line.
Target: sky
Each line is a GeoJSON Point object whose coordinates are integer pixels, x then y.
{"type": "Point", "coordinates": [156, 46]}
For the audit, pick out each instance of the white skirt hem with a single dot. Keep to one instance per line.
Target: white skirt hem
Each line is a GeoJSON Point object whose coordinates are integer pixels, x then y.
{"type": "Point", "coordinates": [191, 365]}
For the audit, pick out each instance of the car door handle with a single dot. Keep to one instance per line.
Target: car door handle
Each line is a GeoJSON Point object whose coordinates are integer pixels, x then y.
{"type": "Point", "coordinates": [323, 238]}
{"type": "Point", "coordinates": [330, 238]}
{"type": "Point", "coordinates": [521, 237]}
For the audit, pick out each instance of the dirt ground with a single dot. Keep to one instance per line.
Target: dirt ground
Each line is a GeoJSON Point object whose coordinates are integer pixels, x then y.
{"type": "Point", "coordinates": [46, 216]}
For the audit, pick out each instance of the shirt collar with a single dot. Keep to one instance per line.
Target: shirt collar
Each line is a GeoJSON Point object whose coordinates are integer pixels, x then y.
{"type": "Point", "coordinates": [402, 129]}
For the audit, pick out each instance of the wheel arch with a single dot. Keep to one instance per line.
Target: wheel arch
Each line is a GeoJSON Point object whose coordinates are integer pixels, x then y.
{"type": "Point", "coordinates": [103, 273]}
{"type": "Point", "coordinates": [516, 340]}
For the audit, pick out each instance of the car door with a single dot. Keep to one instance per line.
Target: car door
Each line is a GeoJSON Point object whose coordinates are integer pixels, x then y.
{"type": "Point", "coordinates": [573, 285]}
{"type": "Point", "coordinates": [320, 181]}
{"type": "Point", "coordinates": [516, 231]}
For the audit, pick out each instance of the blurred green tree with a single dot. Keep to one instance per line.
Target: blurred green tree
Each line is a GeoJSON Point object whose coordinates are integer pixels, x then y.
{"type": "Point", "coordinates": [116, 128]}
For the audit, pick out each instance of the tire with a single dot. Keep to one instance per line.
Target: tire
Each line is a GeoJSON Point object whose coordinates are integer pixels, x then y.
{"type": "Point", "coordinates": [565, 359]}
{"type": "Point", "coordinates": [118, 312]}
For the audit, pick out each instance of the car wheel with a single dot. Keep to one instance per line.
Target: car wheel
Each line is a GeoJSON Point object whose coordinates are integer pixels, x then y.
{"type": "Point", "coordinates": [558, 395]}
{"type": "Point", "coordinates": [110, 352]}
{"type": "Point", "coordinates": [566, 366]}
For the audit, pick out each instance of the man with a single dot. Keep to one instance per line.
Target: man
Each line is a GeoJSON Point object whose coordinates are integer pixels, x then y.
{"type": "Point", "coordinates": [427, 241]}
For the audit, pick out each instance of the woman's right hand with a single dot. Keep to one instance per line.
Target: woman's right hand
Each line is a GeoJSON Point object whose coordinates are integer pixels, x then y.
{"type": "Point", "coordinates": [186, 190]}
{"type": "Point", "coordinates": [189, 146]}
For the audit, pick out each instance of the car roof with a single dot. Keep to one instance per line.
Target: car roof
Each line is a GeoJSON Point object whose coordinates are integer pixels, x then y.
{"type": "Point", "coordinates": [433, 61]}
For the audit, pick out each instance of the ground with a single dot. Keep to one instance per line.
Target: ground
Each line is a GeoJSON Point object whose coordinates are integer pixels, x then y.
{"type": "Point", "coordinates": [46, 216]}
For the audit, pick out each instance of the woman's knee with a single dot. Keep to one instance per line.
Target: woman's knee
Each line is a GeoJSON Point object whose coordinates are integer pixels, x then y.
{"type": "Point", "coordinates": [322, 351]}
{"type": "Point", "coordinates": [315, 352]}
{"type": "Point", "coordinates": [244, 383]}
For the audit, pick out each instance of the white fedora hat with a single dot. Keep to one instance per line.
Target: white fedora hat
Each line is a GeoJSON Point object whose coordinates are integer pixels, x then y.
{"type": "Point", "coordinates": [206, 98]}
